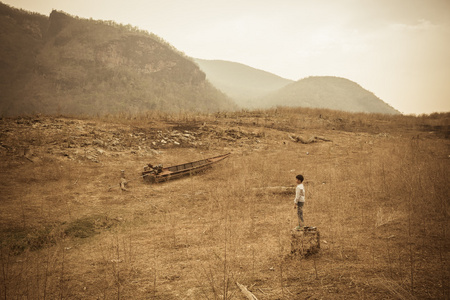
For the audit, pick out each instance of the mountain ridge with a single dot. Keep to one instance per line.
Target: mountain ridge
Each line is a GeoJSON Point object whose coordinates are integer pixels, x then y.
{"type": "Point", "coordinates": [70, 65]}
{"type": "Point", "coordinates": [315, 91]}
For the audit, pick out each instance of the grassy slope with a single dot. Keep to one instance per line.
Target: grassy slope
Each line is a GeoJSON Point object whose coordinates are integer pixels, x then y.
{"type": "Point", "coordinates": [378, 193]}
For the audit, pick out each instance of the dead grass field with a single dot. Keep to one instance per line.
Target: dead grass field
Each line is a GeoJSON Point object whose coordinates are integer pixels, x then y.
{"type": "Point", "coordinates": [376, 188]}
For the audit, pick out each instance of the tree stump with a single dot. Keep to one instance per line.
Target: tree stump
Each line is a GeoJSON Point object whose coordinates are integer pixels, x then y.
{"type": "Point", "coordinates": [305, 242]}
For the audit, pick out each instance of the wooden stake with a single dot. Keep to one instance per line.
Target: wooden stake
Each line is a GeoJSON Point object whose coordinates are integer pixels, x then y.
{"type": "Point", "coordinates": [246, 292]}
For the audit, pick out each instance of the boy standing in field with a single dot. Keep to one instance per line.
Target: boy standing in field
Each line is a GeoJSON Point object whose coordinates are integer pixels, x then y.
{"type": "Point", "coordinates": [299, 201]}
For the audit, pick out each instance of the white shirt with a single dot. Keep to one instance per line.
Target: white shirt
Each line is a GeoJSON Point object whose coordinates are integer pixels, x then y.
{"type": "Point", "coordinates": [299, 193]}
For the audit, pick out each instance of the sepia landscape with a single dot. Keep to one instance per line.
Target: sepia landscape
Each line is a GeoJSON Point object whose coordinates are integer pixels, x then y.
{"type": "Point", "coordinates": [377, 190]}
{"type": "Point", "coordinates": [86, 106]}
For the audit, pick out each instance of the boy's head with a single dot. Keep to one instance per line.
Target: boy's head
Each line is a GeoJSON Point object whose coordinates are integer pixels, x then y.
{"type": "Point", "coordinates": [299, 178]}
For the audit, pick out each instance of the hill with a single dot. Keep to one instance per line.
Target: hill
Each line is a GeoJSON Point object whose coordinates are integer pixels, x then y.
{"type": "Point", "coordinates": [328, 92]}
{"type": "Point", "coordinates": [64, 64]}
{"type": "Point", "coordinates": [253, 88]}
{"type": "Point", "coordinates": [242, 83]}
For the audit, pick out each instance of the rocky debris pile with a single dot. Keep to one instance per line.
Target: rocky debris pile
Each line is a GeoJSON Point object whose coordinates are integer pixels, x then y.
{"type": "Point", "coordinates": [31, 137]}
{"type": "Point", "coordinates": [231, 135]}
{"type": "Point", "coordinates": [173, 138]}
{"type": "Point", "coordinates": [72, 139]}
{"type": "Point", "coordinates": [205, 137]}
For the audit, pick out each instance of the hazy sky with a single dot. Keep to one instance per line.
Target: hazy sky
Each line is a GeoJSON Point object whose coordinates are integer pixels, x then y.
{"type": "Point", "coordinates": [397, 49]}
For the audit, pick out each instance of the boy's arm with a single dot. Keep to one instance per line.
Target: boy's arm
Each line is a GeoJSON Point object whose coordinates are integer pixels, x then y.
{"type": "Point", "coordinates": [297, 196]}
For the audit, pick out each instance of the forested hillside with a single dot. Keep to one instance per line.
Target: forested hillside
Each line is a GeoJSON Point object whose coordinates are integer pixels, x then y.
{"type": "Point", "coordinates": [63, 64]}
{"type": "Point", "coordinates": [328, 92]}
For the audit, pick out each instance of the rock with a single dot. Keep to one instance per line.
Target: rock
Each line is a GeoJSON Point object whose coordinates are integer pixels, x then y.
{"type": "Point", "coordinates": [98, 142]}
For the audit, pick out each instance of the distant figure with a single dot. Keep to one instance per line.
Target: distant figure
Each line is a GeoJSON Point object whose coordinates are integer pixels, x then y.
{"type": "Point", "coordinates": [299, 201]}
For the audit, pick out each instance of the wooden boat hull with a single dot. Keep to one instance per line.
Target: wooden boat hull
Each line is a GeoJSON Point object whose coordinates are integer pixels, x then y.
{"type": "Point", "coordinates": [154, 175]}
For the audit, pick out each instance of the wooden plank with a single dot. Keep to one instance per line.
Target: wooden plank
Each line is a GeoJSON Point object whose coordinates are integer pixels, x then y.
{"type": "Point", "coordinates": [246, 292]}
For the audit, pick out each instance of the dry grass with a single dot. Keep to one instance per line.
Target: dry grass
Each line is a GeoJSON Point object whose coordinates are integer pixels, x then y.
{"type": "Point", "coordinates": [378, 193]}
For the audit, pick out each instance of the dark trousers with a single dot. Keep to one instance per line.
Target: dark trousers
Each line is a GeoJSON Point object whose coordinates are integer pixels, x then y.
{"type": "Point", "coordinates": [300, 212]}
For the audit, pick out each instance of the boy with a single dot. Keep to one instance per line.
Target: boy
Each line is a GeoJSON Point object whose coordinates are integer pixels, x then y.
{"type": "Point", "coordinates": [299, 201]}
